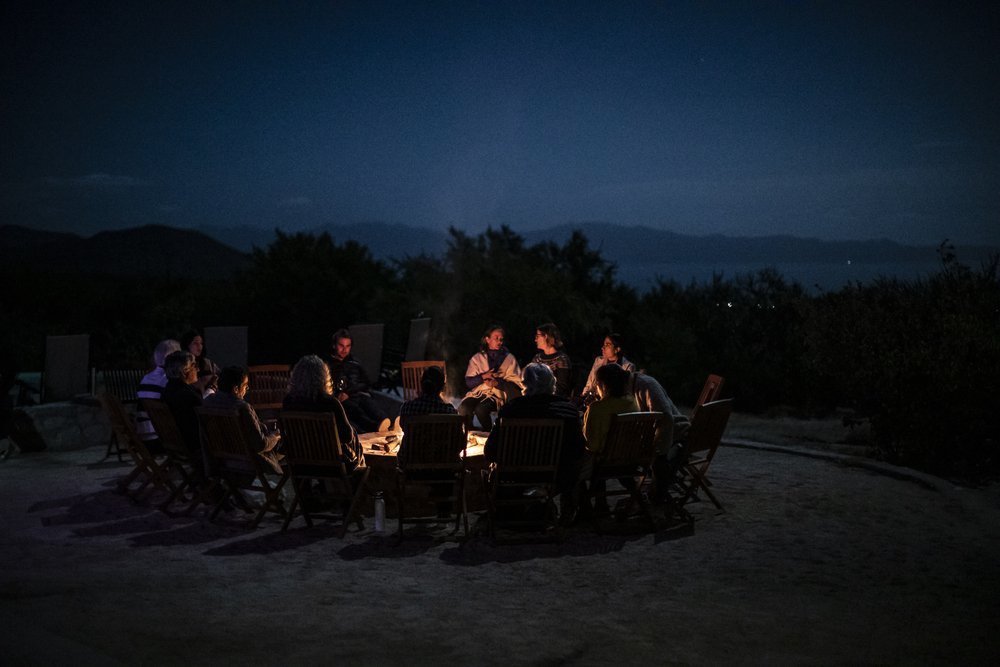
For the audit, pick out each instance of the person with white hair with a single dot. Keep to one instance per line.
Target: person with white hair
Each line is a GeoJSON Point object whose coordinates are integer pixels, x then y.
{"type": "Point", "coordinates": [151, 386]}
{"type": "Point", "coordinates": [540, 402]}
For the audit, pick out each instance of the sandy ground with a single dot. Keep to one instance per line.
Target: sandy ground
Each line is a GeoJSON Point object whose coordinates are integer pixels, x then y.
{"type": "Point", "coordinates": [815, 561]}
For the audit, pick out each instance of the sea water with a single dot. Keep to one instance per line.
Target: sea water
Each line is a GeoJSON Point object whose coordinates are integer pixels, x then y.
{"type": "Point", "coordinates": [814, 276]}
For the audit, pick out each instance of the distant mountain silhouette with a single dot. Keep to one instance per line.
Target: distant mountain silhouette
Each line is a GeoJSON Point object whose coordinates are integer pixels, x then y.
{"type": "Point", "coordinates": [639, 252]}
{"type": "Point", "coordinates": [624, 245]}
{"type": "Point", "coordinates": [150, 250]}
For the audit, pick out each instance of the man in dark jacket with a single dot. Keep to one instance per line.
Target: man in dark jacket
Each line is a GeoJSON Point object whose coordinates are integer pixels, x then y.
{"type": "Point", "coordinates": [352, 387]}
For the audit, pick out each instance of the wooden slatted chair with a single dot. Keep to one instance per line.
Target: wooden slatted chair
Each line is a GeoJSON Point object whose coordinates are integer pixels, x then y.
{"type": "Point", "coordinates": [703, 440]}
{"type": "Point", "coordinates": [709, 392]}
{"type": "Point", "coordinates": [122, 383]}
{"type": "Point", "coordinates": [231, 441]}
{"type": "Point", "coordinates": [431, 453]}
{"type": "Point", "coordinates": [313, 451]}
{"type": "Point", "coordinates": [413, 371]}
{"type": "Point", "coordinates": [146, 468]}
{"type": "Point", "coordinates": [180, 458]}
{"type": "Point", "coordinates": [628, 456]}
{"type": "Point", "coordinates": [268, 386]}
{"type": "Point", "coordinates": [521, 481]}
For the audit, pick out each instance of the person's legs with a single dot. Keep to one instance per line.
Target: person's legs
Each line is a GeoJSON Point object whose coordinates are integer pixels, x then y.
{"type": "Point", "coordinates": [480, 408]}
{"type": "Point", "coordinates": [484, 413]}
{"type": "Point", "coordinates": [357, 415]}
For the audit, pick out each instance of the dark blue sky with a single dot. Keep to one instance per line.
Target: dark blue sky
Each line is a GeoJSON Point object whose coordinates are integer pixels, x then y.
{"type": "Point", "coordinates": [836, 120]}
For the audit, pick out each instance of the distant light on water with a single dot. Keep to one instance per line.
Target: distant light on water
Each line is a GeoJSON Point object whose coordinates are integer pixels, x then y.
{"type": "Point", "coordinates": [830, 275]}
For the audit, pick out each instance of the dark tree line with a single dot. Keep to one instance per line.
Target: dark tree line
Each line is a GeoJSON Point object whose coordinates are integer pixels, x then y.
{"type": "Point", "coordinates": [920, 360]}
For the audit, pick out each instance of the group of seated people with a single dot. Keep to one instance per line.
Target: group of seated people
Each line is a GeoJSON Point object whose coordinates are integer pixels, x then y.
{"type": "Point", "coordinates": [495, 382]}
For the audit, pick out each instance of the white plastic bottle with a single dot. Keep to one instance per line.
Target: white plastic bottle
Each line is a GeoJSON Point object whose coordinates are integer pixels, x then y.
{"type": "Point", "coordinates": [379, 512]}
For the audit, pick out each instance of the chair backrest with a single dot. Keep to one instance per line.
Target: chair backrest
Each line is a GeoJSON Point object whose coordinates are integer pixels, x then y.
{"type": "Point", "coordinates": [165, 426]}
{"type": "Point", "coordinates": [226, 346]}
{"type": "Point", "coordinates": [268, 386]}
{"type": "Point", "coordinates": [710, 392]}
{"type": "Point", "coordinates": [416, 346]}
{"type": "Point", "coordinates": [631, 440]}
{"type": "Point", "coordinates": [432, 442]}
{"type": "Point", "coordinates": [122, 427]}
{"type": "Point", "coordinates": [67, 367]}
{"type": "Point", "coordinates": [528, 446]}
{"type": "Point", "coordinates": [366, 348]}
{"type": "Point", "coordinates": [413, 371]}
{"type": "Point", "coordinates": [123, 383]}
{"type": "Point", "coordinates": [707, 427]}
{"type": "Point", "coordinates": [229, 436]}
{"type": "Point", "coordinates": [310, 439]}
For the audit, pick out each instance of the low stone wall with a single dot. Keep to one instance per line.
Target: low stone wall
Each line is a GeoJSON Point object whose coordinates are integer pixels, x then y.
{"type": "Point", "coordinates": [69, 425]}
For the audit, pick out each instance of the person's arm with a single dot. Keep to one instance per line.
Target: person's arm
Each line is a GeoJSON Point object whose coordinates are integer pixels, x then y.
{"type": "Point", "coordinates": [562, 381]}
{"type": "Point", "coordinates": [591, 386]}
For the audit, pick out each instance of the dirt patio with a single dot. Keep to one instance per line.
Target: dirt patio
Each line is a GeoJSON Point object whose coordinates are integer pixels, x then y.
{"type": "Point", "coordinates": [816, 561]}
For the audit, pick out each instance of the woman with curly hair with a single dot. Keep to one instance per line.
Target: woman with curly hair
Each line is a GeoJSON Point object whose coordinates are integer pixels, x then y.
{"type": "Point", "coordinates": [310, 389]}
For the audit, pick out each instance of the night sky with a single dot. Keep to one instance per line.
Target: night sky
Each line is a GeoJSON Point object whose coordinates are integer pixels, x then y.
{"type": "Point", "coordinates": [834, 120]}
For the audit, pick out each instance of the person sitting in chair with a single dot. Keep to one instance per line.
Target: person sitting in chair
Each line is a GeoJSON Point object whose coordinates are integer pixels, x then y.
{"type": "Point", "coordinates": [352, 387]}
{"type": "Point", "coordinates": [232, 388]}
{"type": "Point", "coordinates": [310, 389]}
{"type": "Point", "coordinates": [429, 402]}
{"type": "Point", "coordinates": [613, 399]}
{"type": "Point", "coordinates": [151, 386]}
{"type": "Point", "coordinates": [650, 396]}
{"type": "Point", "coordinates": [540, 402]}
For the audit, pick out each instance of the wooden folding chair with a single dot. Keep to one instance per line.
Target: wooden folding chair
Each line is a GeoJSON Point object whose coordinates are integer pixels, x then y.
{"type": "Point", "coordinates": [521, 482]}
{"type": "Point", "coordinates": [413, 371]}
{"type": "Point", "coordinates": [147, 469]}
{"type": "Point", "coordinates": [122, 383]}
{"type": "Point", "coordinates": [703, 440]}
{"type": "Point", "coordinates": [180, 458]}
{"type": "Point", "coordinates": [313, 450]}
{"type": "Point", "coordinates": [268, 386]}
{"type": "Point", "coordinates": [709, 392]}
{"type": "Point", "coordinates": [628, 456]}
{"type": "Point", "coordinates": [432, 454]}
{"type": "Point", "coordinates": [231, 443]}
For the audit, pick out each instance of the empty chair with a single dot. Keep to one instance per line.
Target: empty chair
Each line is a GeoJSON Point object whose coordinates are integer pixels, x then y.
{"type": "Point", "coordinates": [122, 383]}
{"type": "Point", "coordinates": [366, 348]}
{"type": "Point", "coordinates": [412, 372]}
{"type": "Point", "coordinates": [313, 451]}
{"type": "Point", "coordinates": [703, 439]}
{"type": "Point", "coordinates": [709, 392]}
{"type": "Point", "coordinates": [67, 367]}
{"type": "Point", "coordinates": [431, 454]}
{"type": "Point", "coordinates": [230, 441]}
{"type": "Point", "coordinates": [146, 468]}
{"type": "Point", "coordinates": [268, 386]}
{"type": "Point", "coordinates": [521, 480]}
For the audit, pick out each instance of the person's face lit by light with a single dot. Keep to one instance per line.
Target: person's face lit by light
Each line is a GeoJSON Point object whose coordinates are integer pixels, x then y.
{"type": "Point", "coordinates": [495, 340]}
{"type": "Point", "coordinates": [609, 351]}
{"type": "Point", "coordinates": [190, 373]}
{"type": "Point", "coordinates": [343, 348]}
